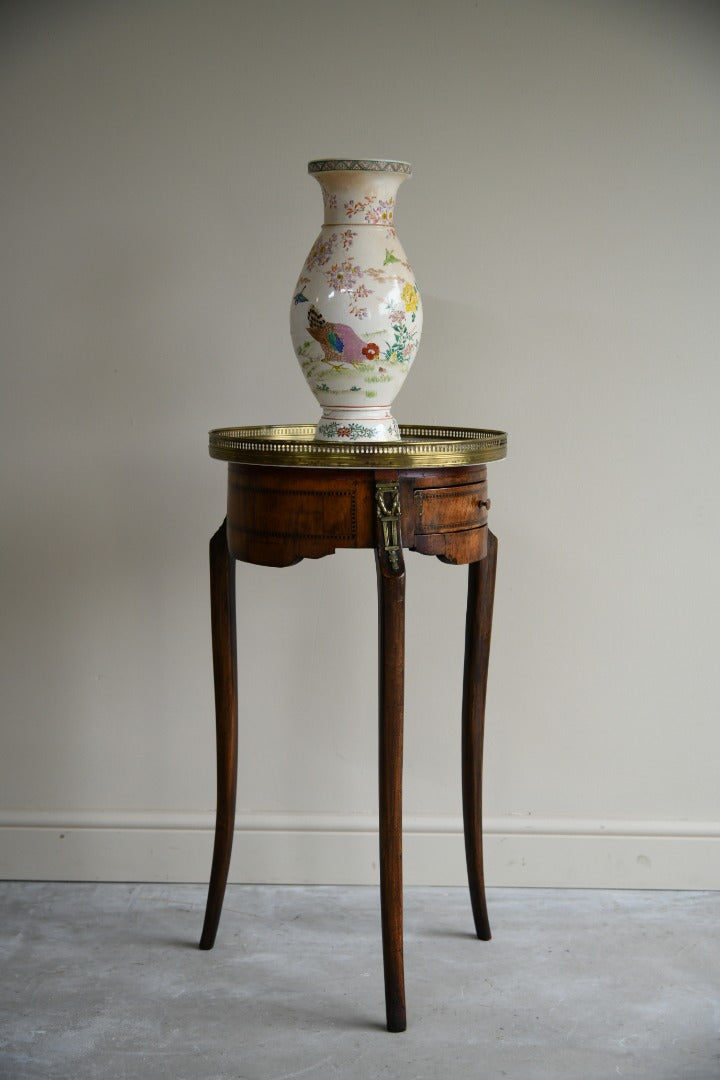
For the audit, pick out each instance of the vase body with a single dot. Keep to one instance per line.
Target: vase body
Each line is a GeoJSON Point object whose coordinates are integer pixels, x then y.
{"type": "Point", "coordinates": [355, 315]}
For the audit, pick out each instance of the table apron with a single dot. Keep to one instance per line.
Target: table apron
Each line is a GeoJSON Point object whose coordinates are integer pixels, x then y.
{"type": "Point", "coordinates": [277, 516]}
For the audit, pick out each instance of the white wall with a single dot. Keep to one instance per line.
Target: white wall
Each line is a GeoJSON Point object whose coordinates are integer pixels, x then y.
{"type": "Point", "coordinates": [564, 224]}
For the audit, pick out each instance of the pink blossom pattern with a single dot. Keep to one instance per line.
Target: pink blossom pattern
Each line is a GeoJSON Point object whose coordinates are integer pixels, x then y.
{"type": "Point", "coordinates": [381, 214]}
{"type": "Point", "coordinates": [343, 276]}
{"type": "Point", "coordinates": [356, 308]}
{"type": "Point", "coordinates": [320, 252]}
{"type": "Point", "coordinates": [347, 238]}
{"type": "Point", "coordinates": [375, 211]}
{"type": "Point", "coordinates": [329, 200]}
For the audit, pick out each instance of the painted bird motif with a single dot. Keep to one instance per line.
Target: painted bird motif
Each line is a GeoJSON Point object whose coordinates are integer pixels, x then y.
{"type": "Point", "coordinates": [340, 344]}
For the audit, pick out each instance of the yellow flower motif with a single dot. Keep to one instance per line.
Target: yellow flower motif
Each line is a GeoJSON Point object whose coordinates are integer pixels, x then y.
{"type": "Point", "coordinates": [410, 297]}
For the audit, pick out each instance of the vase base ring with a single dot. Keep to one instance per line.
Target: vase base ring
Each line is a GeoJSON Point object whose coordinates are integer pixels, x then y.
{"type": "Point", "coordinates": [338, 425]}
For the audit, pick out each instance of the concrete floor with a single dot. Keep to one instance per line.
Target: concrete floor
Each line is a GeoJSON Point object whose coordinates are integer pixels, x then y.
{"type": "Point", "coordinates": [105, 981]}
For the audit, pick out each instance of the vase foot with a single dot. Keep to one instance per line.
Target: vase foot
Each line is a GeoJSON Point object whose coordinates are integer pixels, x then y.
{"type": "Point", "coordinates": [340, 425]}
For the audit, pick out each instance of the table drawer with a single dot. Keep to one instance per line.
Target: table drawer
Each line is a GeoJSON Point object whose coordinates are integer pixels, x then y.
{"type": "Point", "coordinates": [450, 509]}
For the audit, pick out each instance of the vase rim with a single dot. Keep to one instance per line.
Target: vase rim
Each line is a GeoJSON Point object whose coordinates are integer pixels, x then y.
{"type": "Point", "coordinates": [404, 168]}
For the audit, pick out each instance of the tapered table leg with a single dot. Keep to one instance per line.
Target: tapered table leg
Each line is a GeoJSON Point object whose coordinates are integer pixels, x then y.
{"type": "Point", "coordinates": [391, 669]}
{"type": "Point", "coordinates": [224, 646]}
{"type": "Point", "coordinates": [481, 590]}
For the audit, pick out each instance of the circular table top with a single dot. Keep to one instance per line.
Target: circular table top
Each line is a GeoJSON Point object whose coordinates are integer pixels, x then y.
{"type": "Point", "coordinates": [295, 444]}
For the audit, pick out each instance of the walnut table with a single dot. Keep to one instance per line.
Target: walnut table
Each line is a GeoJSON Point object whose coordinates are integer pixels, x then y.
{"type": "Point", "coordinates": [291, 498]}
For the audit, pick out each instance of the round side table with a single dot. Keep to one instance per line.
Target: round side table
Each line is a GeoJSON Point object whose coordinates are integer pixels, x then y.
{"type": "Point", "coordinates": [291, 498]}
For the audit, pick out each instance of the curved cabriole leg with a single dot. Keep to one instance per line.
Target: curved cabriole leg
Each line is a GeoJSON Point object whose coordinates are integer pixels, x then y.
{"type": "Point", "coordinates": [481, 590]}
{"type": "Point", "coordinates": [224, 647]}
{"type": "Point", "coordinates": [391, 638]}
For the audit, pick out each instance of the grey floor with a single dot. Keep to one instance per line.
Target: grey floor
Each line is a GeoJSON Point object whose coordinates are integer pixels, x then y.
{"type": "Point", "coordinates": [105, 981]}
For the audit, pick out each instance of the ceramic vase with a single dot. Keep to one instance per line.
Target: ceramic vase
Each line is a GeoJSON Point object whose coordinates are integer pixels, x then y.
{"type": "Point", "coordinates": [355, 315]}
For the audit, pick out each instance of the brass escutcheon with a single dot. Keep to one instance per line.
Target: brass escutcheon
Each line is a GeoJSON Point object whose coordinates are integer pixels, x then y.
{"type": "Point", "coordinates": [387, 498]}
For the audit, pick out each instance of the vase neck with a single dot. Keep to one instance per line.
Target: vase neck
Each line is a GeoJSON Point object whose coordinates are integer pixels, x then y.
{"type": "Point", "coordinates": [359, 198]}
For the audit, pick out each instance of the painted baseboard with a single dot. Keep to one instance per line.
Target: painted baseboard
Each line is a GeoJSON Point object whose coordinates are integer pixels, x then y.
{"type": "Point", "coordinates": [332, 849]}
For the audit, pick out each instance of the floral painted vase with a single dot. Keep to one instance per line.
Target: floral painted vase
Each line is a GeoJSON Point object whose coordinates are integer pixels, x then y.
{"type": "Point", "coordinates": [355, 316]}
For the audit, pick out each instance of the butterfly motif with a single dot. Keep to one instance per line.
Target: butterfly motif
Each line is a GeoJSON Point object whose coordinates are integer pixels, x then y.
{"type": "Point", "coordinates": [390, 258]}
{"type": "Point", "coordinates": [301, 298]}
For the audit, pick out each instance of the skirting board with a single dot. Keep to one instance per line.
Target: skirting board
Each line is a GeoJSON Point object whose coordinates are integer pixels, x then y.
{"type": "Point", "coordinates": [332, 849]}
